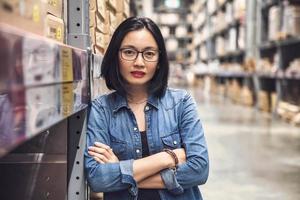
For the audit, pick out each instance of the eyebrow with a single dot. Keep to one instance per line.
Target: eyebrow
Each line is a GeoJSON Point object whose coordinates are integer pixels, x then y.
{"type": "Point", "coordinates": [133, 47]}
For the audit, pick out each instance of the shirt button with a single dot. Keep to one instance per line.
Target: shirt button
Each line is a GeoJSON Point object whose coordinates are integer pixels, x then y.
{"type": "Point", "coordinates": [147, 108]}
{"type": "Point", "coordinates": [135, 129]}
{"type": "Point", "coordinates": [137, 151]}
{"type": "Point", "coordinates": [174, 142]}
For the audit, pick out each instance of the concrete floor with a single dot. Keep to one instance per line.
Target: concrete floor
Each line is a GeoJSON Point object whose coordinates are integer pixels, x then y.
{"type": "Point", "coordinates": [252, 156]}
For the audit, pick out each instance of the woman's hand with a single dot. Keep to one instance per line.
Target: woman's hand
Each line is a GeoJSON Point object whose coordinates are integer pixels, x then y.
{"type": "Point", "coordinates": [102, 153]}
{"type": "Point", "coordinates": [180, 153]}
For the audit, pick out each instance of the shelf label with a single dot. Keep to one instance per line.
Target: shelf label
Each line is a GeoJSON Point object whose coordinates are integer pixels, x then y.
{"type": "Point", "coordinates": [66, 64]}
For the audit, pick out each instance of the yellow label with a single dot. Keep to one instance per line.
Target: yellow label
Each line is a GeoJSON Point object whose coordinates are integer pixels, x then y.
{"type": "Point", "coordinates": [67, 99]}
{"type": "Point", "coordinates": [58, 33]}
{"type": "Point", "coordinates": [52, 2]}
{"type": "Point", "coordinates": [36, 13]}
{"type": "Point", "coordinates": [66, 63]}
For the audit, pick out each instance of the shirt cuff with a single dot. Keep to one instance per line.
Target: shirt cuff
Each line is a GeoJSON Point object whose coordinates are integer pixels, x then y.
{"type": "Point", "coordinates": [127, 176]}
{"type": "Point", "coordinates": [170, 181]}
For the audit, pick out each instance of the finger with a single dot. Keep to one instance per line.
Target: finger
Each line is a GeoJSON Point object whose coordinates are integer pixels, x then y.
{"type": "Point", "coordinates": [104, 146]}
{"type": "Point", "coordinates": [100, 150]}
{"type": "Point", "coordinates": [99, 160]}
{"type": "Point", "coordinates": [100, 156]}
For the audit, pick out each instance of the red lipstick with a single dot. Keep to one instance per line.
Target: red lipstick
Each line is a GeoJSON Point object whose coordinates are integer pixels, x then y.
{"type": "Point", "coordinates": [138, 74]}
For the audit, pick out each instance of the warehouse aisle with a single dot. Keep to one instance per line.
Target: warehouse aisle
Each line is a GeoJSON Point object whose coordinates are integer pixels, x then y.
{"type": "Point", "coordinates": [252, 157]}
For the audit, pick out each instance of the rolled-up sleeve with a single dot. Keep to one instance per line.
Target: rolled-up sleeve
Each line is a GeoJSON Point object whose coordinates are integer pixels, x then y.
{"type": "Point", "coordinates": [107, 177]}
{"type": "Point", "coordinates": [196, 168]}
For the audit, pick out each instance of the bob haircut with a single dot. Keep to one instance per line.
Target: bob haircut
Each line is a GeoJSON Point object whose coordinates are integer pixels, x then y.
{"type": "Point", "coordinates": [110, 69]}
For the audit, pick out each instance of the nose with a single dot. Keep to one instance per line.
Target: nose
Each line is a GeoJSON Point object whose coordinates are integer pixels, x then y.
{"type": "Point", "coordinates": [139, 61]}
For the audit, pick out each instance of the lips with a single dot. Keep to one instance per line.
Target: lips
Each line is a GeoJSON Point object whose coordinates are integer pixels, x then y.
{"type": "Point", "coordinates": [138, 74]}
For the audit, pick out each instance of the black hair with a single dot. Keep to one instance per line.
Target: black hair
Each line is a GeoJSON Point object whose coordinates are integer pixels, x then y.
{"type": "Point", "coordinates": [110, 65]}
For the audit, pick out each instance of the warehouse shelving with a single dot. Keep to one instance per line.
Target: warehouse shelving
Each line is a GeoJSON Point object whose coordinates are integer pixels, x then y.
{"type": "Point", "coordinates": [48, 88]}
{"type": "Point", "coordinates": [264, 57]}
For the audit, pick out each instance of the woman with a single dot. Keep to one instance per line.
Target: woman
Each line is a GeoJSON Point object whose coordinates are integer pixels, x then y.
{"type": "Point", "coordinates": [144, 141]}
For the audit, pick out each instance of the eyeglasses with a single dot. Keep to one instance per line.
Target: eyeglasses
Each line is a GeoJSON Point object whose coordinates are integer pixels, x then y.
{"type": "Point", "coordinates": [130, 54]}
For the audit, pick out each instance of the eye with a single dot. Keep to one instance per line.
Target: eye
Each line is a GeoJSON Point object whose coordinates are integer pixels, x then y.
{"type": "Point", "coordinates": [129, 52]}
{"type": "Point", "coordinates": [149, 53]}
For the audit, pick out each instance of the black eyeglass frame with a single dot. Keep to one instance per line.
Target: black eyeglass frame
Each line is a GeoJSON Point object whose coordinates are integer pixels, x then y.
{"type": "Point", "coordinates": [138, 52]}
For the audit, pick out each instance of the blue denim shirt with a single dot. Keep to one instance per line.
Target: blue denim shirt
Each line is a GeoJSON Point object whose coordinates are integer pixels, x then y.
{"type": "Point", "coordinates": [171, 122]}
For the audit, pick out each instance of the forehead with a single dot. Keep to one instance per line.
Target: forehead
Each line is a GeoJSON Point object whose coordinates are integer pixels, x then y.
{"type": "Point", "coordinates": [140, 39]}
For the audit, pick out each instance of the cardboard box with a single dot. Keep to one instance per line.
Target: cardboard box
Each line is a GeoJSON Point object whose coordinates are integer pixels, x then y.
{"type": "Point", "coordinates": [29, 16]}
{"type": "Point", "coordinates": [55, 7]}
{"type": "Point", "coordinates": [116, 5]}
{"type": "Point", "coordinates": [101, 8]}
{"type": "Point", "coordinates": [115, 19]}
{"type": "Point", "coordinates": [102, 40]}
{"type": "Point", "coordinates": [93, 21]}
{"type": "Point", "coordinates": [126, 9]}
{"type": "Point", "coordinates": [54, 28]}
{"type": "Point", "coordinates": [263, 101]}
{"type": "Point", "coordinates": [98, 50]}
{"type": "Point", "coordinates": [102, 25]}
{"type": "Point", "coordinates": [93, 5]}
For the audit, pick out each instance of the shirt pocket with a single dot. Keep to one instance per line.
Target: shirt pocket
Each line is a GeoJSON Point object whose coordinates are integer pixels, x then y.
{"type": "Point", "coordinates": [171, 141]}
{"type": "Point", "coordinates": [119, 148]}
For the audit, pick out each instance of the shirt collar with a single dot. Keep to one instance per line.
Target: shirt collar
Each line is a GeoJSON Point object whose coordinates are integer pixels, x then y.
{"type": "Point", "coordinates": [120, 101]}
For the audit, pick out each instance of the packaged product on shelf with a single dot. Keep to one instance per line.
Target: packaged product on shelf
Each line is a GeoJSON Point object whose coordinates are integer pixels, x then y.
{"type": "Point", "coordinates": [291, 20]}
{"type": "Point", "coordinates": [54, 28]}
{"type": "Point", "coordinates": [172, 44]}
{"type": "Point", "coordinates": [232, 46]}
{"type": "Point", "coordinates": [40, 62]}
{"type": "Point", "coordinates": [273, 101]}
{"type": "Point", "coordinates": [181, 31]}
{"type": "Point", "coordinates": [165, 31]}
{"type": "Point", "coordinates": [229, 15]}
{"type": "Point", "coordinates": [79, 61]}
{"type": "Point", "coordinates": [294, 69]}
{"type": "Point", "coordinates": [249, 65]}
{"type": "Point", "coordinates": [221, 22]}
{"type": "Point", "coordinates": [43, 108]}
{"type": "Point", "coordinates": [247, 96]}
{"type": "Point", "coordinates": [239, 9]}
{"type": "Point", "coordinates": [263, 101]}
{"type": "Point", "coordinates": [80, 95]}
{"type": "Point", "coordinates": [288, 111]}
{"type": "Point", "coordinates": [212, 6]}
{"type": "Point", "coordinates": [274, 23]}
{"type": "Point", "coordinates": [220, 46]}
{"type": "Point", "coordinates": [242, 37]}
{"type": "Point", "coordinates": [168, 18]}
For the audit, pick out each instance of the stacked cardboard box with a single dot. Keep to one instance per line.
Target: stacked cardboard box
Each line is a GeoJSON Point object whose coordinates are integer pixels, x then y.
{"type": "Point", "coordinates": [105, 16]}
{"type": "Point", "coordinates": [247, 96]}
{"type": "Point", "coordinates": [43, 17]}
{"type": "Point", "coordinates": [289, 112]}
{"type": "Point", "coordinates": [263, 101]}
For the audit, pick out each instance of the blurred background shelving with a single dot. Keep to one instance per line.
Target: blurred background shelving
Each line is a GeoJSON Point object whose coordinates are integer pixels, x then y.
{"type": "Point", "coordinates": [246, 51]}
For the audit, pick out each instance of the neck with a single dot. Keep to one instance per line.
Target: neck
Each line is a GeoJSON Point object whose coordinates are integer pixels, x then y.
{"type": "Point", "coordinates": [137, 95]}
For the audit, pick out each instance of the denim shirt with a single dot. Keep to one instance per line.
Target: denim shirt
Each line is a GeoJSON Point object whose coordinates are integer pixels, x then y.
{"type": "Point", "coordinates": [172, 122]}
